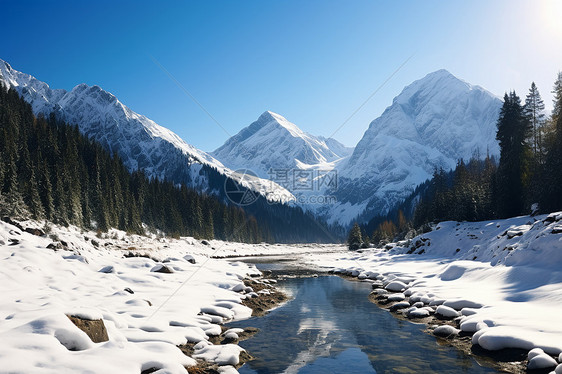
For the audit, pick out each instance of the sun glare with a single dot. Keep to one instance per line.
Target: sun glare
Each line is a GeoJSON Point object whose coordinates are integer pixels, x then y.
{"type": "Point", "coordinates": [551, 12]}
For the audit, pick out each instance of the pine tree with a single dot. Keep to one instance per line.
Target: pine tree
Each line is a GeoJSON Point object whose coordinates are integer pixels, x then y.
{"type": "Point", "coordinates": [551, 193]}
{"type": "Point", "coordinates": [14, 205]}
{"type": "Point", "coordinates": [35, 205]}
{"type": "Point", "coordinates": [557, 94]}
{"type": "Point", "coordinates": [534, 112]}
{"type": "Point", "coordinates": [354, 240]}
{"type": "Point", "coordinates": [2, 168]}
{"type": "Point", "coordinates": [515, 152]}
{"type": "Point", "coordinates": [46, 191]}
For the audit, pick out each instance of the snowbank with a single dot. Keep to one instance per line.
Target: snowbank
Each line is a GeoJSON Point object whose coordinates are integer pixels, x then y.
{"type": "Point", "coordinates": [151, 293]}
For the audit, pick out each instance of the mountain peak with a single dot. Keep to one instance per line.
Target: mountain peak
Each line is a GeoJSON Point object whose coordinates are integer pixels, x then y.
{"type": "Point", "coordinates": [268, 114]}
{"type": "Point", "coordinates": [440, 72]}
{"type": "Point", "coordinates": [272, 141]}
{"type": "Point", "coordinates": [269, 118]}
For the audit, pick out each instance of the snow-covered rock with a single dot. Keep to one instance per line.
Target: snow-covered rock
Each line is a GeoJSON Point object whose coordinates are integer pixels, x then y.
{"type": "Point", "coordinates": [459, 304]}
{"type": "Point", "coordinates": [396, 297]}
{"type": "Point", "coordinates": [399, 306]}
{"type": "Point", "coordinates": [396, 286]}
{"type": "Point", "coordinates": [446, 311]}
{"type": "Point", "coordinates": [445, 331]}
{"type": "Point", "coordinates": [414, 312]}
{"type": "Point", "coordinates": [534, 352]}
{"type": "Point", "coordinates": [541, 361]}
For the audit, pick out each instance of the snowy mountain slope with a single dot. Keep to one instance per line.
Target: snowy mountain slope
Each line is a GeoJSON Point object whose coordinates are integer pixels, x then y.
{"type": "Point", "coordinates": [274, 142]}
{"type": "Point", "coordinates": [433, 123]}
{"type": "Point", "coordinates": [337, 147]}
{"type": "Point", "coordinates": [140, 142]}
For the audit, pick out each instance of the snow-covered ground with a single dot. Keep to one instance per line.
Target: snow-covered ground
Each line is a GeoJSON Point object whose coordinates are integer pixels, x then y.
{"type": "Point", "coordinates": [93, 279]}
{"type": "Point", "coordinates": [504, 277]}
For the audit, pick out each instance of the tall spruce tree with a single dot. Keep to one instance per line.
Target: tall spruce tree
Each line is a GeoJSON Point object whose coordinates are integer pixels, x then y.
{"type": "Point", "coordinates": [534, 112]}
{"type": "Point", "coordinates": [551, 193]}
{"type": "Point", "coordinates": [557, 99]}
{"type": "Point", "coordinates": [513, 173]}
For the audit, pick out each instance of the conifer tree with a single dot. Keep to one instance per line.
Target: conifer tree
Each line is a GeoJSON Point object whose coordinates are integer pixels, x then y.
{"type": "Point", "coordinates": [534, 112]}
{"type": "Point", "coordinates": [34, 200]}
{"type": "Point", "coordinates": [513, 172]}
{"type": "Point", "coordinates": [14, 205]}
{"type": "Point", "coordinates": [551, 193]}
{"type": "Point", "coordinates": [46, 190]}
{"type": "Point", "coordinates": [354, 241]}
{"type": "Point", "coordinates": [557, 99]}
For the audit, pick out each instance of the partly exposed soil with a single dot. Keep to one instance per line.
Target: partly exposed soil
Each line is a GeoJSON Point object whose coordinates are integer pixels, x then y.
{"type": "Point", "coordinates": [266, 301]}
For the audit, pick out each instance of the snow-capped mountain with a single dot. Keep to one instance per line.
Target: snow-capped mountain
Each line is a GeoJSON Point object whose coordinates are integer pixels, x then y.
{"type": "Point", "coordinates": [433, 123]}
{"type": "Point", "coordinates": [140, 142]}
{"type": "Point", "coordinates": [274, 142]}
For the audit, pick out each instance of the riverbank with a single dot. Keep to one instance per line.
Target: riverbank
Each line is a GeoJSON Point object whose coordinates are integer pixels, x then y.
{"type": "Point", "coordinates": [153, 294]}
{"type": "Point", "coordinates": [501, 281]}
{"type": "Point", "coordinates": [150, 295]}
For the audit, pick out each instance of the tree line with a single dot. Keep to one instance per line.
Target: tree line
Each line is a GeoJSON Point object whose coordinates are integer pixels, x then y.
{"type": "Point", "coordinates": [527, 178]}
{"type": "Point", "coordinates": [49, 170]}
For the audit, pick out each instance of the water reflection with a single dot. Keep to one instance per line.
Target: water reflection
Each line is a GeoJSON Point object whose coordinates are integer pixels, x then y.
{"type": "Point", "coordinates": [331, 327]}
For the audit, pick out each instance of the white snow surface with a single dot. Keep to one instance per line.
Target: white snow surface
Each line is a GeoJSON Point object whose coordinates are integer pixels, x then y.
{"type": "Point", "coordinates": [508, 288]}
{"type": "Point", "coordinates": [40, 286]}
{"type": "Point", "coordinates": [140, 142]}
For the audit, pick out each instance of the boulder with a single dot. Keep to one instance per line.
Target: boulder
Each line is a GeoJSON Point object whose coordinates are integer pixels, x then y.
{"type": "Point", "coordinates": [396, 286]}
{"type": "Point", "coordinates": [541, 361]}
{"type": "Point", "coordinates": [160, 268]}
{"type": "Point", "coordinates": [534, 352]}
{"type": "Point", "coordinates": [396, 297]}
{"type": "Point", "coordinates": [417, 313]}
{"type": "Point", "coordinates": [95, 329]}
{"type": "Point", "coordinates": [400, 305]}
{"type": "Point", "coordinates": [445, 331]}
{"type": "Point", "coordinates": [446, 312]}
{"type": "Point", "coordinates": [107, 269]}
{"type": "Point", "coordinates": [34, 231]}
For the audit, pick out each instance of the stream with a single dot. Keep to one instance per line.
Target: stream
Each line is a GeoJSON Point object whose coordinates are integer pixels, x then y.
{"type": "Point", "coordinates": [329, 326]}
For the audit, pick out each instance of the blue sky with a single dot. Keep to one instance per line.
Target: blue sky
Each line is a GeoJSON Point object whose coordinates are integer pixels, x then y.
{"type": "Point", "coordinates": [314, 62]}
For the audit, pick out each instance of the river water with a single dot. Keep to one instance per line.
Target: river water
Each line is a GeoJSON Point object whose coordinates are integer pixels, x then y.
{"type": "Point", "coordinates": [329, 326]}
